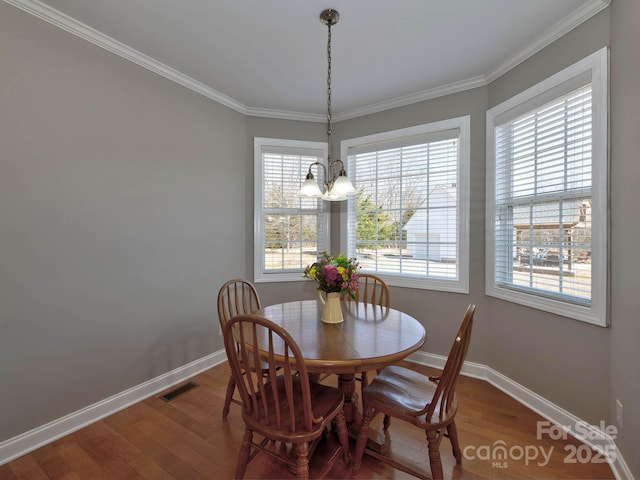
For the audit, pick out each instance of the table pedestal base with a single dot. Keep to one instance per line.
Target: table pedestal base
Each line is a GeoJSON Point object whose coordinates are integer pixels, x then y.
{"type": "Point", "coordinates": [378, 441]}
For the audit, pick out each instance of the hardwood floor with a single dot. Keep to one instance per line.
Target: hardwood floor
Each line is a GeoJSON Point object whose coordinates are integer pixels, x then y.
{"type": "Point", "coordinates": [186, 439]}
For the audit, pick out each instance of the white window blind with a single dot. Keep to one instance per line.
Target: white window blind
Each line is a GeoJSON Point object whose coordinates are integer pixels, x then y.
{"type": "Point", "coordinates": [546, 237]}
{"type": "Point", "coordinates": [543, 199]}
{"type": "Point", "coordinates": [405, 221]}
{"type": "Point", "coordinates": [289, 229]}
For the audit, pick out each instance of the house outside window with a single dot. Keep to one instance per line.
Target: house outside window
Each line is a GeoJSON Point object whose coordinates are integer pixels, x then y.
{"type": "Point", "coordinates": [409, 221]}
{"type": "Point", "coordinates": [547, 194]}
{"type": "Point", "coordinates": [289, 230]}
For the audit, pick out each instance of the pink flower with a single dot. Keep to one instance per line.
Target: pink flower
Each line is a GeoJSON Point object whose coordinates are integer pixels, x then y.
{"type": "Point", "coordinates": [353, 283]}
{"type": "Point", "coordinates": [330, 273]}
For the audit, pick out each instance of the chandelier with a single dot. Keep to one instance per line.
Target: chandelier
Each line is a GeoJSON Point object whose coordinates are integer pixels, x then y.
{"type": "Point", "coordinates": [337, 185]}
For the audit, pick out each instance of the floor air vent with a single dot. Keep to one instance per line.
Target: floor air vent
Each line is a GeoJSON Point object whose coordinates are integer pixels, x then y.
{"type": "Point", "coordinates": [176, 392]}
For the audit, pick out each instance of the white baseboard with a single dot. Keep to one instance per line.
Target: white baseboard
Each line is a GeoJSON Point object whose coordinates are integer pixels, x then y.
{"type": "Point", "coordinates": [33, 439]}
{"type": "Point", "coordinates": [29, 441]}
{"type": "Point", "coordinates": [590, 435]}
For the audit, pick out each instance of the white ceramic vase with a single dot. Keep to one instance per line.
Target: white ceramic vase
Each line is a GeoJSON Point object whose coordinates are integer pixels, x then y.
{"type": "Point", "coordinates": [332, 311]}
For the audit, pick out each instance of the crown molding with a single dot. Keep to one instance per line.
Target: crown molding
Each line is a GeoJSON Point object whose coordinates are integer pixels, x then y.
{"type": "Point", "coordinates": [441, 91]}
{"type": "Point", "coordinates": [286, 115]}
{"type": "Point", "coordinates": [69, 24]}
{"type": "Point", "coordinates": [558, 30]}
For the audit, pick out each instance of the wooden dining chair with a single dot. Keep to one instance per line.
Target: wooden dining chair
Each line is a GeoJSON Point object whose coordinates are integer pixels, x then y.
{"type": "Point", "coordinates": [286, 408]}
{"type": "Point", "coordinates": [429, 403]}
{"type": "Point", "coordinates": [375, 291]}
{"type": "Point", "coordinates": [235, 297]}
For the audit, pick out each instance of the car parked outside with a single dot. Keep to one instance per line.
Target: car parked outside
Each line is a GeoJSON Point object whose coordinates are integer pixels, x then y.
{"type": "Point", "coordinates": [542, 257]}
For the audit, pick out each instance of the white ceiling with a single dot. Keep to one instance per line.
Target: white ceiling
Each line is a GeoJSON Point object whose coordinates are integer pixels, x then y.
{"type": "Point", "coordinates": [268, 57]}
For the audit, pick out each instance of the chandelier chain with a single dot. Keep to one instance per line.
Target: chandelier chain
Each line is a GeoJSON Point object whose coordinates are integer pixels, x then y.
{"type": "Point", "coordinates": [336, 183]}
{"type": "Point", "coordinates": [329, 126]}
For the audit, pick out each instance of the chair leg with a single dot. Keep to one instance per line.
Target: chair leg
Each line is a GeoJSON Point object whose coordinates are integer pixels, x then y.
{"type": "Point", "coordinates": [302, 465]}
{"type": "Point", "coordinates": [386, 423]}
{"type": "Point", "coordinates": [364, 381]}
{"type": "Point", "coordinates": [433, 439]}
{"type": "Point", "coordinates": [343, 436]}
{"type": "Point", "coordinates": [455, 446]}
{"type": "Point", "coordinates": [231, 386]}
{"type": "Point", "coordinates": [361, 442]}
{"type": "Point", "coordinates": [243, 457]}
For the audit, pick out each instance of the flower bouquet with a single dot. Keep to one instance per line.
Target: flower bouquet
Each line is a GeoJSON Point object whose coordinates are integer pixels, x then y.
{"type": "Point", "coordinates": [334, 274]}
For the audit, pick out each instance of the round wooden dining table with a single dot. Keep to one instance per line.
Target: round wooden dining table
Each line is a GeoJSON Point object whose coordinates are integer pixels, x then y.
{"type": "Point", "coordinates": [370, 337]}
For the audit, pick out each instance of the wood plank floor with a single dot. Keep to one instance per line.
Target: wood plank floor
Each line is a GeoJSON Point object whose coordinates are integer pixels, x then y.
{"type": "Point", "coordinates": [186, 439]}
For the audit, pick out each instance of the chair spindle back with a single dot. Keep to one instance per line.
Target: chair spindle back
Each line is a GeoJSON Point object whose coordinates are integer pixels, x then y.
{"type": "Point", "coordinates": [372, 290]}
{"type": "Point", "coordinates": [252, 340]}
{"type": "Point", "coordinates": [443, 398]}
{"type": "Point", "coordinates": [237, 297]}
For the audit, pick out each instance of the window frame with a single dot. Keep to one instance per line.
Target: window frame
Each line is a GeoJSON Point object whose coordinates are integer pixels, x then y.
{"type": "Point", "coordinates": [463, 124]}
{"type": "Point", "coordinates": [259, 144]}
{"type": "Point", "coordinates": [595, 66]}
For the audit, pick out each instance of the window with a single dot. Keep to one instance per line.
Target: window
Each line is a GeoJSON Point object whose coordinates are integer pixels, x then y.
{"type": "Point", "coordinates": [547, 194]}
{"type": "Point", "coordinates": [409, 221]}
{"type": "Point", "coordinates": [289, 230]}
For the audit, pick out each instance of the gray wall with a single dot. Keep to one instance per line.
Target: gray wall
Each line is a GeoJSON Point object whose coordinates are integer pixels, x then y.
{"type": "Point", "coordinates": [120, 194]}
{"type": "Point", "coordinates": [118, 190]}
{"type": "Point", "coordinates": [550, 354]}
{"type": "Point", "coordinates": [625, 261]}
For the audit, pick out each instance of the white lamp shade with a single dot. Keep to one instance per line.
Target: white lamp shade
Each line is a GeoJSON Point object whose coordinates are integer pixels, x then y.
{"type": "Point", "coordinates": [343, 186]}
{"type": "Point", "coordinates": [310, 188]}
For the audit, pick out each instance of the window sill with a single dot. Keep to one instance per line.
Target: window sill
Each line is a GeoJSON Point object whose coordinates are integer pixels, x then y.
{"type": "Point", "coordinates": [565, 309]}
